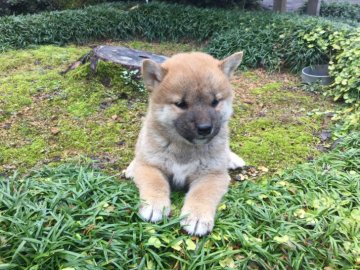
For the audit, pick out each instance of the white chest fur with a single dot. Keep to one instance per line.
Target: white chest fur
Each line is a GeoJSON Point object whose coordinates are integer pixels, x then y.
{"type": "Point", "coordinates": [180, 172]}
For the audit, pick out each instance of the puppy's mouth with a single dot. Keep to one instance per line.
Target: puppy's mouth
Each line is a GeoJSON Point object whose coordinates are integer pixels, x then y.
{"type": "Point", "coordinates": [195, 139]}
{"type": "Point", "coordinates": [201, 141]}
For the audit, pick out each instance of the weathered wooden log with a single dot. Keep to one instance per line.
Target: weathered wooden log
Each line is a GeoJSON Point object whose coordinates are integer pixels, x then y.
{"type": "Point", "coordinates": [129, 58]}
{"type": "Point", "coordinates": [279, 6]}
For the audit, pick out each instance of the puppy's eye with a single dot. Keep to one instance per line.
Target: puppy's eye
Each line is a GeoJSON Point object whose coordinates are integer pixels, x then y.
{"type": "Point", "coordinates": [215, 102]}
{"type": "Point", "coordinates": [181, 104]}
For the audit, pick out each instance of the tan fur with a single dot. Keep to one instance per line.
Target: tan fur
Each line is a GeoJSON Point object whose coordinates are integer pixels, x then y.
{"type": "Point", "coordinates": [162, 155]}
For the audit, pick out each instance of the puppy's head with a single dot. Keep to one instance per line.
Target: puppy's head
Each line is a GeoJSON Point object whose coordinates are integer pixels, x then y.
{"type": "Point", "coordinates": [191, 96]}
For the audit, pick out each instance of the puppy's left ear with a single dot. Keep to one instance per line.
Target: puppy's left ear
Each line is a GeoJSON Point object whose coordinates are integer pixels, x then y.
{"type": "Point", "coordinates": [230, 64]}
{"type": "Point", "coordinates": [152, 73]}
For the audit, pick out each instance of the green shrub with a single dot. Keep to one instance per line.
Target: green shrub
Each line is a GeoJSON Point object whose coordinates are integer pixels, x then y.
{"type": "Point", "coordinates": [347, 12]}
{"type": "Point", "coordinates": [277, 41]}
{"type": "Point", "coordinates": [259, 42]}
{"type": "Point", "coordinates": [62, 27]}
{"type": "Point", "coordinates": [344, 66]}
{"type": "Point", "coordinates": [341, 10]}
{"type": "Point", "coordinates": [244, 4]}
{"type": "Point", "coordinates": [8, 7]}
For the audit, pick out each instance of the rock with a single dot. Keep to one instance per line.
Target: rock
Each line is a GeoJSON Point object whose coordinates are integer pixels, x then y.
{"type": "Point", "coordinates": [6, 126]}
{"type": "Point", "coordinates": [325, 135]}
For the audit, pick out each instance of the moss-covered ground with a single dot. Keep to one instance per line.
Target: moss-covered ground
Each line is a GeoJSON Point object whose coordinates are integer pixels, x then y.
{"type": "Point", "coordinates": [47, 117]}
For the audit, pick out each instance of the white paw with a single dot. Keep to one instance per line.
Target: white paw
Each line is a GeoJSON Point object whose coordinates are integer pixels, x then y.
{"type": "Point", "coordinates": [129, 172]}
{"type": "Point", "coordinates": [154, 213]}
{"type": "Point", "coordinates": [235, 161]}
{"type": "Point", "coordinates": [199, 226]}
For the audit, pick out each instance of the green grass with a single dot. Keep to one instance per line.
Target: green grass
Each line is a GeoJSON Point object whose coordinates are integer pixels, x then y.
{"type": "Point", "coordinates": [72, 217]}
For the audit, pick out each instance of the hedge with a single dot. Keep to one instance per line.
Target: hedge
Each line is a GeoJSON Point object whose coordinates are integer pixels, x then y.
{"type": "Point", "coordinates": [269, 40]}
{"type": "Point", "coordinates": [342, 10]}
{"type": "Point", "coordinates": [11, 7]}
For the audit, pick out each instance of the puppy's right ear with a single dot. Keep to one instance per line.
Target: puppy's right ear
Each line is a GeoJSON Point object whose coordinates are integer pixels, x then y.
{"type": "Point", "coordinates": [152, 74]}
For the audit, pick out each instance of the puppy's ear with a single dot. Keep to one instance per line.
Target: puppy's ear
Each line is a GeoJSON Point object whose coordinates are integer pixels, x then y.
{"type": "Point", "coordinates": [152, 74]}
{"type": "Point", "coordinates": [230, 64]}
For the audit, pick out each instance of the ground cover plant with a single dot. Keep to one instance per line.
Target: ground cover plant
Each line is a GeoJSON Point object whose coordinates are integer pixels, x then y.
{"type": "Point", "coordinates": [72, 217]}
{"type": "Point", "coordinates": [65, 138]}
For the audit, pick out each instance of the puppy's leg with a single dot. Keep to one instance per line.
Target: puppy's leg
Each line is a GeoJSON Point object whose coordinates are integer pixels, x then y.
{"type": "Point", "coordinates": [154, 192]}
{"type": "Point", "coordinates": [129, 172]}
{"type": "Point", "coordinates": [201, 203]}
{"type": "Point", "coordinates": [235, 161]}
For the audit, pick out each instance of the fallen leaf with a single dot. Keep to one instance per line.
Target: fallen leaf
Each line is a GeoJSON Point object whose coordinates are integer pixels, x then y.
{"type": "Point", "coordinates": [55, 130]}
{"type": "Point", "coordinates": [247, 101]}
{"type": "Point", "coordinates": [263, 169]}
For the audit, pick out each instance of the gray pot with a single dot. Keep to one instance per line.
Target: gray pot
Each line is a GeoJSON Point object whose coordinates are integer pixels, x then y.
{"type": "Point", "coordinates": [316, 73]}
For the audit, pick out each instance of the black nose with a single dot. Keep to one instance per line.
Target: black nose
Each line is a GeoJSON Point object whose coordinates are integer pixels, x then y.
{"type": "Point", "coordinates": [204, 129]}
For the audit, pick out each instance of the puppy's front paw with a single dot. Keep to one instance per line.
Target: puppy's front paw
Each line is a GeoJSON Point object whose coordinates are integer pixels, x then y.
{"type": "Point", "coordinates": [235, 161]}
{"type": "Point", "coordinates": [197, 225]}
{"type": "Point", "coordinates": [154, 212]}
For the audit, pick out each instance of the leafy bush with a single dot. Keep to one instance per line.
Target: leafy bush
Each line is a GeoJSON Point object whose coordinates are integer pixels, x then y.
{"type": "Point", "coordinates": [62, 27]}
{"type": "Point", "coordinates": [341, 10]}
{"type": "Point", "coordinates": [30, 6]}
{"type": "Point", "coordinates": [276, 41]}
{"type": "Point", "coordinates": [345, 11]}
{"type": "Point", "coordinates": [344, 67]}
{"type": "Point", "coordinates": [244, 4]}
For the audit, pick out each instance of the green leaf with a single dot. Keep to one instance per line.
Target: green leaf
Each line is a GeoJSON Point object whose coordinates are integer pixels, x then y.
{"type": "Point", "coordinates": [228, 262]}
{"type": "Point", "coordinates": [282, 239]}
{"type": "Point", "coordinates": [190, 245]}
{"type": "Point", "coordinates": [177, 245]}
{"type": "Point", "coordinates": [154, 241]}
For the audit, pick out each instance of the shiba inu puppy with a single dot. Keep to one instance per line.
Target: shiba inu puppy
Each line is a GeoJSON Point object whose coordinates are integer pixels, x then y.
{"type": "Point", "coordinates": [184, 141]}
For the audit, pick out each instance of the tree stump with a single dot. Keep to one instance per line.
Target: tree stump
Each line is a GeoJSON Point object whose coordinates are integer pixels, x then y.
{"type": "Point", "coordinates": [129, 58]}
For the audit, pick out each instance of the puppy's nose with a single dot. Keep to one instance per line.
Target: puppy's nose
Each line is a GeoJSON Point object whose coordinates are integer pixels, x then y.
{"type": "Point", "coordinates": [204, 129]}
